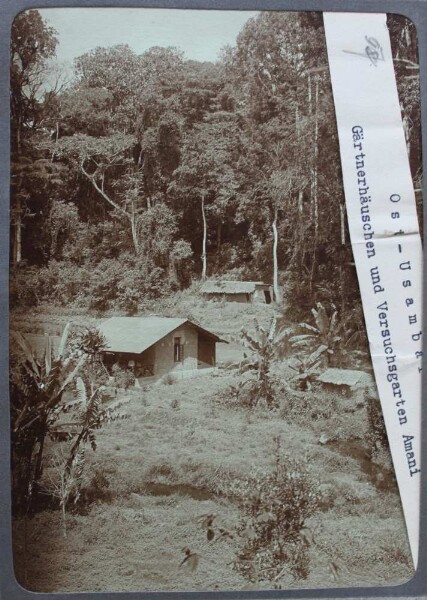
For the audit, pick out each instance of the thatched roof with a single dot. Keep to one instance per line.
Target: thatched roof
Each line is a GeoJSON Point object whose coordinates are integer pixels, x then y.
{"type": "Point", "coordinates": [136, 334]}
{"type": "Point", "coordinates": [231, 287]}
{"type": "Point", "coordinates": [345, 377]}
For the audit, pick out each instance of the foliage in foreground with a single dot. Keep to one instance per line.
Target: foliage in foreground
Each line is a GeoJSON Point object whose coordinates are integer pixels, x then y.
{"type": "Point", "coordinates": [275, 509]}
{"type": "Point", "coordinates": [263, 348]}
{"type": "Point", "coordinates": [37, 404]}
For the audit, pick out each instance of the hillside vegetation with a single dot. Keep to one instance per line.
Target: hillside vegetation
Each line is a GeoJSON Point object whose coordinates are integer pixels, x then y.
{"type": "Point", "coordinates": [181, 454]}
{"type": "Point", "coordinates": [186, 449]}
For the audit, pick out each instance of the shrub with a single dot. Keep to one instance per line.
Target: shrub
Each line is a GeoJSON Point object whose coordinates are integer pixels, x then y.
{"type": "Point", "coordinates": [97, 489]}
{"type": "Point", "coordinates": [168, 379]}
{"type": "Point", "coordinates": [124, 378]}
{"type": "Point", "coordinates": [376, 434]}
{"type": "Point", "coordinates": [276, 507]}
{"type": "Point", "coordinates": [263, 347]}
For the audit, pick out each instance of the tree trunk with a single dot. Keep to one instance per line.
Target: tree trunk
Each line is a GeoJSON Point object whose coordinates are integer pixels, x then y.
{"type": "Point", "coordinates": [17, 232]}
{"type": "Point", "coordinates": [64, 521]}
{"type": "Point", "coordinates": [315, 206]}
{"type": "Point", "coordinates": [131, 215]}
{"type": "Point", "coordinates": [39, 461]}
{"type": "Point", "coordinates": [173, 272]}
{"type": "Point", "coordinates": [300, 197]}
{"type": "Point", "coordinates": [134, 231]}
{"type": "Point", "coordinates": [218, 246]}
{"type": "Point", "coordinates": [342, 222]}
{"type": "Point", "coordinates": [204, 239]}
{"type": "Point", "coordinates": [277, 294]}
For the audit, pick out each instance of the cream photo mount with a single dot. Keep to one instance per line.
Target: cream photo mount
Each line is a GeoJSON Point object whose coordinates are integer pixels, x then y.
{"type": "Point", "coordinates": [417, 12]}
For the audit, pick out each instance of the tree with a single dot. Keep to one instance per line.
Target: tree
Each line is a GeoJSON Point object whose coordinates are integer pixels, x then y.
{"type": "Point", "coordinates": [264, 347]}
{"type": "Point", "coordinates": [36, 392]}
{"type": "Point", "coordinates": [98, 160]}
{"type": "Point", "coordinates": [32, 45]}
{"type": "Point", "coordinates": [207, 175]}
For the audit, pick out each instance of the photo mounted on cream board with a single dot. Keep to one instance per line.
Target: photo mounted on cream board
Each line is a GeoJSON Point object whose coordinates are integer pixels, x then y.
{"type": "Point", "coordinates": [215, 288]}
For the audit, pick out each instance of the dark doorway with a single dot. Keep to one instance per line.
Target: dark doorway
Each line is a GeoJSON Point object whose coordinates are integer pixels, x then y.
{"type": "Point", "coordinates": [267, 296]}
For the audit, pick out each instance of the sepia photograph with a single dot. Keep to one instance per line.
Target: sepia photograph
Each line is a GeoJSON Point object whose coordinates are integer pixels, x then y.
{"type": "Point", "coordinates": [193, 402]}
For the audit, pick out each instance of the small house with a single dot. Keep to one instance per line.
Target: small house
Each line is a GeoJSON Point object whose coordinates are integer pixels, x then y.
{"type": "Point", "coordinates": [154, 346]}
{"type": "Point", "coordinates": [237, 291]}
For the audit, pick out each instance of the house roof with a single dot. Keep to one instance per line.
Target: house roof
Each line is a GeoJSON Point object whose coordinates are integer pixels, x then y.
{"type": "Point", "coordinates": [345, 377]}
{"type": "Point", "coordinates": [231, 287]}
{"type": "Point", "coordinates": [136, 334]}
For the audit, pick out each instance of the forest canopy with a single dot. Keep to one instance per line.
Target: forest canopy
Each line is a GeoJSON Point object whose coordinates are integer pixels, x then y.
{"type": "Point", "coordinates": [147, 172]}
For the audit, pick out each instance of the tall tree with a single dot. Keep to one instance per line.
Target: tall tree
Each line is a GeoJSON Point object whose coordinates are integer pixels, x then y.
{"type": "Point", "coordinates": [207, 175]}
{"type": "Point", "coordinates": [33, 43]}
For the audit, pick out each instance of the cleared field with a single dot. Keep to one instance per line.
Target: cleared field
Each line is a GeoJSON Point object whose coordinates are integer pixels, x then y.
{"type": "Point", "coordinates": [177, 457]}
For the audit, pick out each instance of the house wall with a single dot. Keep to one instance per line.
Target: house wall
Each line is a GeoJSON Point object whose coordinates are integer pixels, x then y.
{"type": "Point", "coordinates": [243, 298]}
{"type": "Point", "coordinates": [164, 351]}
{"type": "Point", "coordinates": [206, 352]}
{"type": "Point", "coordinates": [259, 294]}
{"type": "Point", "coordinates": [143, 363]}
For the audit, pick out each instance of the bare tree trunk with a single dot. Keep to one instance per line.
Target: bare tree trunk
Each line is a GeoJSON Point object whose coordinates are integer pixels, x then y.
{"type": "Point", "coordinates": [17, 233]}
{"type": "Point", "coordinates": [132, 215]}
{"type": "Point", "coordinates": [314, 183]}
{"type": "Point", "coordinates": [218, 246]}
{"type": "Point", "coordinates": [173, 272]}
{"type": "Point", "coordinates": [17, 220]}
{"type": "Point", "coordinates": [134, 229]}
{"type": "Point", "coordinates": [297, 121]}
{"type": "Point", "coordinates": [277, 294]}
{"type": "Point", "coordinates": [300, 196]}
{"type": "Point", "coordinates": [204, 239]}
{"type": "Point", "coordinates": [56, 142]}
{"type": "Point", "coordinates": [342, 214]}
{"type": "Point", "coordinates": [64, 520]}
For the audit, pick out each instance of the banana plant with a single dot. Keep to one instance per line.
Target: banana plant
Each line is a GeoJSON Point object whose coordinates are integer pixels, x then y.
{"type": "Point", "coordinates": [323, 336]}
{"type": "Point", "coordinates": [307, 368]}
{"type": "Point", "coordinates": [37, 403]}
{"type": "Point", "coordinates": [37, 387]}
{"type": "Point", "coordinates": [263, 348]}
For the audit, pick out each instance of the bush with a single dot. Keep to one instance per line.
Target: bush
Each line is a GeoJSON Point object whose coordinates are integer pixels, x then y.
{"type": "Point", "coordinates": [124, 378]}
{"type": "Point", "coordinates": [168, 379]}
{"type": "Point", "coordinates": [126, 283]}
{"type": "Point", "coordinates": [97, 489]}
{"type": "Point", "coordinates": [276, 507]}
{"type": "Point", "coordinates": [376, 435]}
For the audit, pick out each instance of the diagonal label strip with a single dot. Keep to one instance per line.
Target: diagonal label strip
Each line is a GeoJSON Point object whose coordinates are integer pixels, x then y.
{"type": "Point", "coordinates": [384, 232]}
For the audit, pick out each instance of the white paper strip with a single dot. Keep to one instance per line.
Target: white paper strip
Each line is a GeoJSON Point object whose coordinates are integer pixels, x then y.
{"type": "Point", "coordinates": [384, 232]}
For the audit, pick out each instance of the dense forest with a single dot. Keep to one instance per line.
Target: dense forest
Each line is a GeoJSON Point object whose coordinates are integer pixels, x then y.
{"type": "Point", "coordinates": [144, 173]}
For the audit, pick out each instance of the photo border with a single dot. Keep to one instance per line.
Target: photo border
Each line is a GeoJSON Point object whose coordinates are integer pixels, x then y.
{"type": "Point", "coordinates": [10, 589]}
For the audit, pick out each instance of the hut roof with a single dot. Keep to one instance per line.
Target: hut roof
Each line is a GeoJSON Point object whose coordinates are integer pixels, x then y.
{"type": "Point", "coordinates": [231, 287]}
{"type": "Point", "coordinates": [345, 377]}
{"type": "Point", "coordinates": [136, 334]}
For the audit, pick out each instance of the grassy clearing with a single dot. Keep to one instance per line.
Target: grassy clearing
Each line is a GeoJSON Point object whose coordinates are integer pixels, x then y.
{"type": "Point", "coordinates": [179, 456]}
{"type": "Point", "coordinates": [225, 318]}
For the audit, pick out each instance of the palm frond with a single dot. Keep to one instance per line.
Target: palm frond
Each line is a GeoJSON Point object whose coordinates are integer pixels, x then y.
{"type": "Point", "coordinates": [63, 342]}
{"type": "Point", "coordinates": [73, 374]}
{"type": "Point", "coordinates": [27, 351]}
{"type": "Point", "coordinates": [48, 355]}
{"type": "Point", "coordinates": [308, 327]}
{"type": "Point", "coordinates": [81, 391]}
{"type": "Point", "coordinates": [272, 330]}
{"type": "Point", "coordinates": [317, 353]}
{"type": "Point", "coordinates": [250, 342]}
